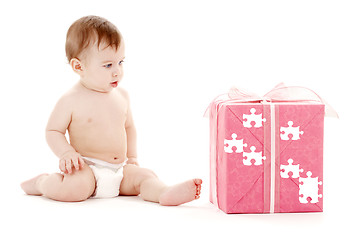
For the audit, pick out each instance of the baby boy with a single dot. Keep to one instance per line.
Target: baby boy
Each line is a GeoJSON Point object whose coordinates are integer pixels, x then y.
{"type": "Point", "coordinates": [100, 160]}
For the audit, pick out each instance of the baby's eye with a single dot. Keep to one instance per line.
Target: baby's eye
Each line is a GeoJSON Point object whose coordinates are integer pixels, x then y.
{"type": "Point", "coordinates": [107, 65]}
{"type": "Point", "coordinates": [121, 62]}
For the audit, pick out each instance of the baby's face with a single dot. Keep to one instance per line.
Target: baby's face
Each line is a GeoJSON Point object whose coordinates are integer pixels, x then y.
{"type": "Point", "coordinates": [102, 67]}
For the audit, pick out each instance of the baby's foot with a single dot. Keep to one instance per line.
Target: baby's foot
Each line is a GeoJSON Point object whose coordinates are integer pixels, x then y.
{"type": "Point", "coordinates": [181, 193]}
{"type": "Point", "coordinates": [30, 186]}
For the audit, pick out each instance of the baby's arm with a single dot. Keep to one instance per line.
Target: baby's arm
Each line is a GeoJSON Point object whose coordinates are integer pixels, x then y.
{"type": "Point", "coordinates": [131, 139]}
{"type": "Point", "coordinates": [55, 135]}
{"type": "Point", "coordinates": [130, 133]}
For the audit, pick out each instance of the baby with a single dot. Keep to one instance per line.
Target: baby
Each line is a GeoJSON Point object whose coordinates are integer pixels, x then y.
{"type": "Point", "coordinates": [100, 160]}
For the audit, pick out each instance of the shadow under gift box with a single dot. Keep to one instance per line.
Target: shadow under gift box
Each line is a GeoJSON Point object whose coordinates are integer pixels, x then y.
{"type": "Point", "coordinates": [266, 157]}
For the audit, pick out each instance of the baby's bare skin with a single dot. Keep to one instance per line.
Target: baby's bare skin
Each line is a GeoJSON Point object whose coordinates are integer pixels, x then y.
{"type": "Point", "coordinates": [95, 112]}
{"type": "Point", "coordinates": [97, 115]}
{"type": "Point", "coordinates": [96, 127]}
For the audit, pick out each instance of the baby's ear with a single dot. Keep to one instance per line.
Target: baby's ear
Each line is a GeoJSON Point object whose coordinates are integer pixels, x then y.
{"type": "Point", "coordinates": [76, 65]}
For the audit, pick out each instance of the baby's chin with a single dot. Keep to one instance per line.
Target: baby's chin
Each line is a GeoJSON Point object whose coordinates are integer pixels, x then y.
{"type": "Point", "coordinates": [107, 89]}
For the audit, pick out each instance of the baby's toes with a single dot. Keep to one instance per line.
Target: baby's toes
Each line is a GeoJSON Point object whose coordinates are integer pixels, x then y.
{"type": "Point", "coordinates": [197, 194]}
{"type": "Point", "coordinates": [198, 181]}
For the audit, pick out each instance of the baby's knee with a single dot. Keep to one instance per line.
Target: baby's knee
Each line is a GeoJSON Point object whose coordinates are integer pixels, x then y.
{"type": "Point", "coordinates": [147, 173]}
{"type": "Point", "coordinates": [144, 175]}
{"type": "Point", "coordinates": [69, 188]}
{"type": "Point", "coordinates": [77, 189]}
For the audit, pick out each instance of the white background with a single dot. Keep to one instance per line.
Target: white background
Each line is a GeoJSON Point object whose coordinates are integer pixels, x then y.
{"type": "Point", "coordinates": [179, 56]}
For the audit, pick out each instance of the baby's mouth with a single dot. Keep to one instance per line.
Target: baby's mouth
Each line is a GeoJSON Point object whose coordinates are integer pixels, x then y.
{"type": "Point", "coordinates": [114, 84]}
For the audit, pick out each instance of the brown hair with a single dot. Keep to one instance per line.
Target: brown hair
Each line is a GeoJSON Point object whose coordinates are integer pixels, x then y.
{"type": "Point", "coordinates": [86, 31]}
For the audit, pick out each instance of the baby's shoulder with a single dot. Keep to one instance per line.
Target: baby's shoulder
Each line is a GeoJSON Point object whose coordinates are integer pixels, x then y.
{"type": "Point", "coordinates": [69, 97]}
{"type": "Point", "coordinates": [123, 93]}
{"type": "Point", "coordinates": [71, 94]}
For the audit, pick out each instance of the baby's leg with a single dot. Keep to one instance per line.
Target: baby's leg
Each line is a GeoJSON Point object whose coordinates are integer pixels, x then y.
{"type": "Point", "coordinates": [144, 182]}
{"type": "Point", "coordinates": [74, 187]}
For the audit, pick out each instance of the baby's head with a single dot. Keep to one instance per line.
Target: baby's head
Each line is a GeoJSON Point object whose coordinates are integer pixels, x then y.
{"type": "Point", "coordinates": [87, 31]}
{"type": "Point", "coordinates": [95, 50]}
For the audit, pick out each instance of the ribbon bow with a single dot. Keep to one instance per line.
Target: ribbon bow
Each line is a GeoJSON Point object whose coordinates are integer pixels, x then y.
{"type": "Point", "coordinates": [279, 93]}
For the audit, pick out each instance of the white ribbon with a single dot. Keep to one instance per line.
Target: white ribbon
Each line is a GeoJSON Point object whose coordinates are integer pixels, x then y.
{"type": "Point", "coordinates": [273, 158]}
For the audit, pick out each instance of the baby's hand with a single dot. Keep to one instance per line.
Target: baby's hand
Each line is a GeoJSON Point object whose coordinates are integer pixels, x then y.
{"type": "Point", "coordinates": [70, 159]}
{"type": "Point", "coordinates": [132, 161]}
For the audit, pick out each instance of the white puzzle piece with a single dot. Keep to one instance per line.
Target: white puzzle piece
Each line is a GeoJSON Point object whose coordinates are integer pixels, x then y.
{"type": "Point", "coordinates": [238, 144]}
{"type": "Point", "coordinates": [257, 118]}
{"type": "Point", "coordinates": [309, 188]}
{"type": "Point", "coordinates": [257, 156]}
{"type": "Point", "coordinates": [286, 169]}
{"type": "Point", "coordinates": [286, 131]}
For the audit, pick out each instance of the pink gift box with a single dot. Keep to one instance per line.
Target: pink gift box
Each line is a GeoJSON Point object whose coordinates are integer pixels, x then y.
{"type": "Point", "coordinates": [266, 156]}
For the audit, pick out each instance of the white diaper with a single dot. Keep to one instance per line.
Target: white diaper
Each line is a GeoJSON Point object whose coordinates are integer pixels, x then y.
{"type": "Point", "coordinates": [108, 177]}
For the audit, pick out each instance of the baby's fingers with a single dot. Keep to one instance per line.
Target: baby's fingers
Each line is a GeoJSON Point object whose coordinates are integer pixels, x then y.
{"type": "Point", "coordinates": [62, 166]}
{"type": "Point", "coordinates": [76, 163]}
{"type": "Point", "coordinates": [81, 162]}
{"type": "Point", "coordinates": [69, 166]}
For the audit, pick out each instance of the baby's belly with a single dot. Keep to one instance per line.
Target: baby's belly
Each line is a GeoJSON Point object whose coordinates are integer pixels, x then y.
{"type": "Point", "coordinates": [109, 146]}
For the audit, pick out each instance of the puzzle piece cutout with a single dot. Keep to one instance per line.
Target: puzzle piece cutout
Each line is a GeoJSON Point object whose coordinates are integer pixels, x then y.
{"type": "Point", "coordinates": [286, 169]}
{"type": "Point", "coordinates": [257, 118]}
{"type": "Point", "coordinates": [309, 188]}
{"type": "Point", "coordinates": [238, 144]}
{"type": "Point", "coordinates": [290, 130]}
{"type": "Point", "coordinates": [257, 156]}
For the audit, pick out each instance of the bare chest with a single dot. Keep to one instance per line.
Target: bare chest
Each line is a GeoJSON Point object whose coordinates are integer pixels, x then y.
{"type": "Point", "coordinates": [100, 112]}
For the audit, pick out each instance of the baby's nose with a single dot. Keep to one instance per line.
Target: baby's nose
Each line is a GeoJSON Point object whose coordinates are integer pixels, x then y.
{"type": "Point", "coordinates": [116, 72]}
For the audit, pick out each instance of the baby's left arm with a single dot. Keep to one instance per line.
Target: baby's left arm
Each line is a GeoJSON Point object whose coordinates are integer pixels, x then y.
{"type": "Point", "coordinates": [130, 133]}
{"type": "Point", "coordinates": [131, 139]}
